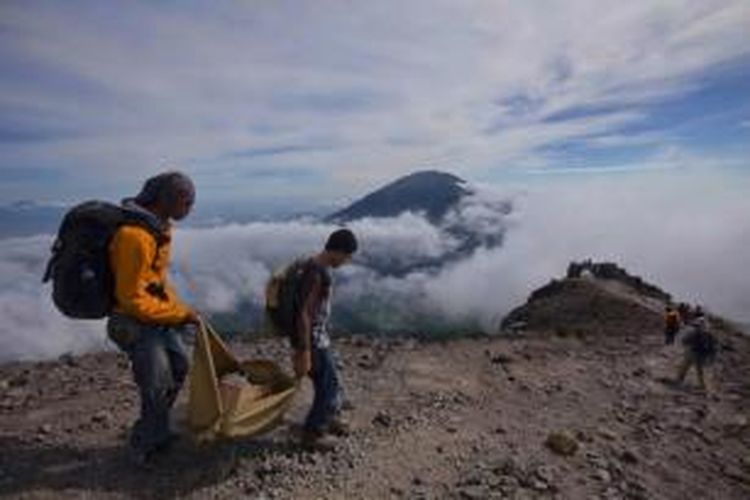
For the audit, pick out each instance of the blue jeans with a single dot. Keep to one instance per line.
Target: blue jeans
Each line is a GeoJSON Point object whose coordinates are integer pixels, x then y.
{"type": "Point", "coordinates": [327, 400]}
{"type": "Point", "coordinates": [160, 364]}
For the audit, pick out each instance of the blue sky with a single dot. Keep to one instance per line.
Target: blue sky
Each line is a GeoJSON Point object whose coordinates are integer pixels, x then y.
{"type": "Point", "coordinates": [313, 102]}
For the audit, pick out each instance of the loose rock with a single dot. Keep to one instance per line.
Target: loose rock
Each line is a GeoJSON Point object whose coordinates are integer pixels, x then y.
{"type": "Point", "coordinates": [473, 493]}
{"type": "Point", "coordinates": [69, 360]}
{"type": "Point", "coordinates": [607, 434]}
{"type": "Point", "coordinates": [101, 417]}
{"type": "Point", "coordinates": [382, 419]}
{"type": "Point", "coordinates": [603, 475]}
{"type": "Point", "coordinates": [629, 457]}
{"type": "Point", "coordinates": [562, 443]}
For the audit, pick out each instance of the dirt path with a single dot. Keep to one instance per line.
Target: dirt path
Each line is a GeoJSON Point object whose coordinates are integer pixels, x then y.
{"type": "Point", "coordinates": [462, 419]}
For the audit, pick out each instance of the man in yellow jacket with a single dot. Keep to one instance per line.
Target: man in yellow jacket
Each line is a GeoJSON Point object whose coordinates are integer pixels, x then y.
{"type": "Point", "coordinates": [148, 318]}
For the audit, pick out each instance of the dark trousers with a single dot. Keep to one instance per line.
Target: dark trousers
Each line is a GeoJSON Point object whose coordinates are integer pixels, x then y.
{"type": "Point", "coordinates": [689, 361]}
{"type": "Point", "coordinates": [669, 335]}
{"type": "Point", "coordinates": [327, 400]}
{"type": "Point", "coordinates": [160, 364]}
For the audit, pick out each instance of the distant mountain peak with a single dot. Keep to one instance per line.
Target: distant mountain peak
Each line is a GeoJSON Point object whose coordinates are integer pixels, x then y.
{"type": "Point", "coordinates": [431, 192]}
{"type": "Point", "coordinates": [431, 175]}
{"type": "Point", "coordinates": [23, 205]}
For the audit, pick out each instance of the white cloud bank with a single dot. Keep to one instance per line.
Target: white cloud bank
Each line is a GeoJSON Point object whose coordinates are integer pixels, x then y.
{"type": "Point", "coordinates": [688, 234]}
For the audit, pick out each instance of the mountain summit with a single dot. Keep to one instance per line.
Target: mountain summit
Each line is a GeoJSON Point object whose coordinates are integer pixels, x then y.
{"type": "Point", "coordinates": [430, 192]}
{"type": "Point", "coordinates": [465, 217]}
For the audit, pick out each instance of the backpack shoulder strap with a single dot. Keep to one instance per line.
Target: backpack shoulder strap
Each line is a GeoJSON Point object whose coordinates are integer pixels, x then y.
{"type": "Point", "coordinates": [311, 271]}
{"type": "Point", "coordinates": [133, 218]}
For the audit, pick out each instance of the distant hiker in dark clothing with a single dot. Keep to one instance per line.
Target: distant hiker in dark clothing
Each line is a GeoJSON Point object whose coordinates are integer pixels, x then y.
{"type": "Point", "coordinates": [148, 317]}
{"type": "Point", "coordinates": [311, 341]}
{"type": "Point", "coordinates": [671, 324]}
{"type": "Point", "coordinates": [698, 312]}
{"type": "Point", "coordinates": [700, 350]}
{"type": "Point", "coordinates": [684, 311]}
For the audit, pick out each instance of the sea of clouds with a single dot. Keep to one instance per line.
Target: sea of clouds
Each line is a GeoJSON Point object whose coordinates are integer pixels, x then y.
{"type": "Point", "coordinates": [688, 236]}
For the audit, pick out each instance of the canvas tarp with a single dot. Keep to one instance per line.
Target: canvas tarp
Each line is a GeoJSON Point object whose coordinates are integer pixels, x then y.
{"type": "Point", "coordinates": [218, 409]}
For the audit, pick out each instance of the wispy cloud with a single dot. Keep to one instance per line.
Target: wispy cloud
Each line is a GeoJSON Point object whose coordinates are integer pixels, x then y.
{"type": "Point", "coordinates": [392, 86]}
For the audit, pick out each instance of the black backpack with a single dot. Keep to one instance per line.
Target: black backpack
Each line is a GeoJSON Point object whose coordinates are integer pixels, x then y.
{"type": "Point", "coordinates": [702, 343]}
{"type": "Point", "coordinates": [284, 295]}
{"type": "Point", "coordinates": [82, 281]}
{"type": "Point", "coordinates": [705, 345]}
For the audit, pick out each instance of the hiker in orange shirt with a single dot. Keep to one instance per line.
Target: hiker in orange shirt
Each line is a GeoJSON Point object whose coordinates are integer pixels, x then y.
{"type": "Point", "coordinates": [148, 317]}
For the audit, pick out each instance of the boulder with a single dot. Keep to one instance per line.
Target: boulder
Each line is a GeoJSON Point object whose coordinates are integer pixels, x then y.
{"type": "Point", "coordinates": [562, 443]}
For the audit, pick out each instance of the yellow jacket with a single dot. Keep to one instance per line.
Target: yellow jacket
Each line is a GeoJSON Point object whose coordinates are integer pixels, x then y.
{"type": "Point", "coordinates": [141, 287]}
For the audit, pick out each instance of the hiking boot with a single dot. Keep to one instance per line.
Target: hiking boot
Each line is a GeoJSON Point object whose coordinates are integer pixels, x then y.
{"type": "Point", "coordinates": [317, 441]}
{"type": "Point", "coordinates": [166, 445]}
{"type": "Point", "coordinates": [141, 459]}
{"type": "Point", "coordinates": [339, 427]}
